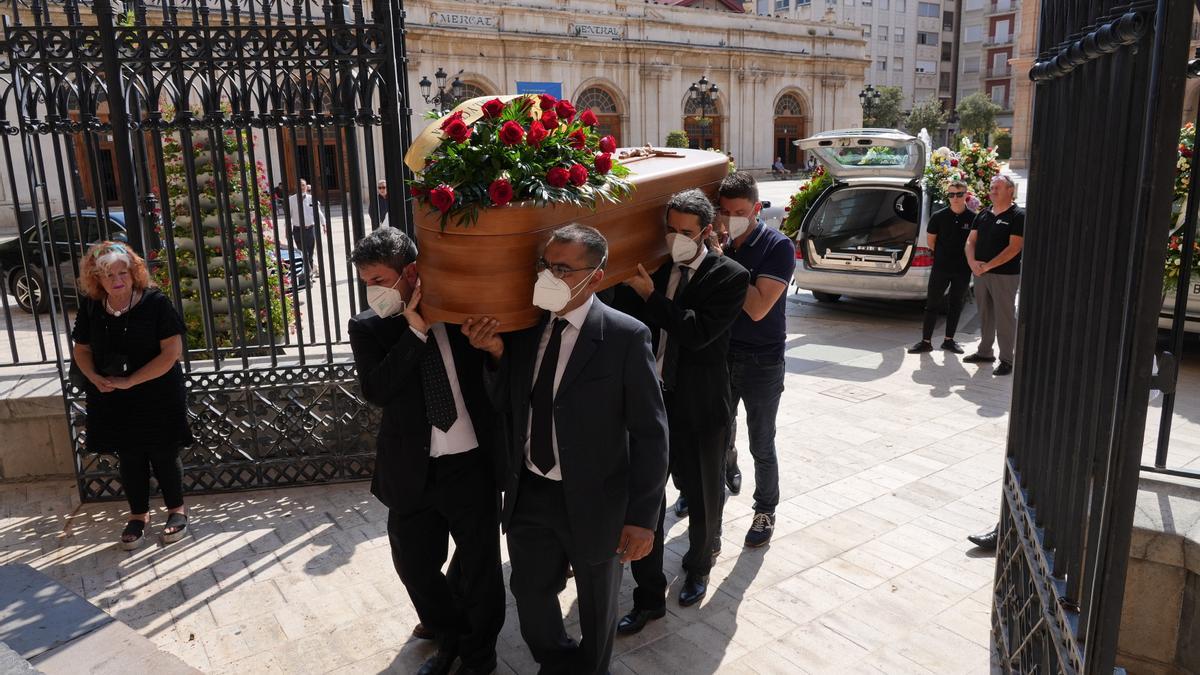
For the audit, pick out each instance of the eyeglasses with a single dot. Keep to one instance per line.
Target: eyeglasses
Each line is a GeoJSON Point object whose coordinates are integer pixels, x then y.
{"type": "Point", "coordinates": [956, 195]}
{"type": "Point", "coordinates": [558, 270]}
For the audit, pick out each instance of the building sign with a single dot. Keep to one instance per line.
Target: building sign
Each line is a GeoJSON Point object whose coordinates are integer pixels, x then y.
{"type": "Point", "coordinates": [596, 31]}
{"type": "Point", "coordinates": [457, 20]}
{"type": "Point", "coordinates": [552, 88]}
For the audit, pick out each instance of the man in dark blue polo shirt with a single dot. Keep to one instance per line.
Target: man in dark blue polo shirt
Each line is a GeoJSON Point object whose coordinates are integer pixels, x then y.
{"type": "Point", "coordinates": [756, 348]}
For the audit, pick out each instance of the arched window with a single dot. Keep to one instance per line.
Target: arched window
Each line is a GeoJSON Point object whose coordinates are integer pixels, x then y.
{"type": "Point", "coordinates": [602, 103]}
{"type": "Point", "coordinates": [790, 125]}
{"type": "Point", "coordinates": [470, 91]}
{"type": "Point", "coordinates": [703, 126]}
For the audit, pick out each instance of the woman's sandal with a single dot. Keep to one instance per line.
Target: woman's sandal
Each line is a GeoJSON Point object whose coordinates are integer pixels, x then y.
{"type": "Point", "coordinates": [134, 528]}
{"type": "Point", "coordinates": [178, 522]}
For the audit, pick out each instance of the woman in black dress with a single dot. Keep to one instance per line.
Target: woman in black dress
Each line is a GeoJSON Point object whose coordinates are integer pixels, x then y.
{"type": "Point", "coordinates": [128, 340]}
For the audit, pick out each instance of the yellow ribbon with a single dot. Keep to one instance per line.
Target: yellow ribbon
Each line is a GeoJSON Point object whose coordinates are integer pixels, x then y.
{"type": "Point", "coordinates": [424, 145]}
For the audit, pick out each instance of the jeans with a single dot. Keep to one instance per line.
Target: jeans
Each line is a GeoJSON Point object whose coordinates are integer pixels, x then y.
{"type": "Point", "coordinates": [136, 467]}
{"type": "Point", "coordinates": [757, 382]}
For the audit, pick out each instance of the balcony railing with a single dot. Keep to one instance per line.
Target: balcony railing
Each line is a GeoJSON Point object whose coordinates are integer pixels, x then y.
{"type": "Point", "coordinates": [1003, 71]}
{"type": "Point", "coordinates": [998, 40]}
{"type": "Point", "coordinates": [1003, 6]}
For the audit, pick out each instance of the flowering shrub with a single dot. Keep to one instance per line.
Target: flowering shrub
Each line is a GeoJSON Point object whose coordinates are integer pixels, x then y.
{"type": "Point", "coordinates": [248, 200]}
{"type": "Point", "coordinates": [532, 148]}
{"type": "Point", "coordinates": [975, 164]}
{"type": "Point", "coordinates": [803, 200]}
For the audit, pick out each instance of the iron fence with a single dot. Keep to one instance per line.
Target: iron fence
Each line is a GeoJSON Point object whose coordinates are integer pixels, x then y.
{"type": "Point", "coordinates": [1091, 291]}
{"type": "Point", "coordinates": [185, 128]}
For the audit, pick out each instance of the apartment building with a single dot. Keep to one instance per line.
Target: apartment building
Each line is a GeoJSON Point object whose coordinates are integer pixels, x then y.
{"type": "Point", "coordinates": [989, 38]}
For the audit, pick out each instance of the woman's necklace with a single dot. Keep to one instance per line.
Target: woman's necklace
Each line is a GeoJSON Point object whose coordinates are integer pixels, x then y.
{"type": "Point", "coordinates": [119, 312]}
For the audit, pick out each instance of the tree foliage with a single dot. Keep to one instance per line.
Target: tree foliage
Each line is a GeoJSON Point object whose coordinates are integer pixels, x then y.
{"type": "Point", "coordinates": [677, 139]}
{"type": "Point", "coordinates": [888, 111]}
{"type": "Point", "coordinates": [929, 115]}
{"type": "Point", "coordinates": [977, 115]}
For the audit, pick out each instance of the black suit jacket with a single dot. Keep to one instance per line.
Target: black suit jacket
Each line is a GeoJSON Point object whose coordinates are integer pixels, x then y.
{"type": "Point", "coordinates": [387, 355]}
{"type": "Point", "coordinates": [610, 424]}
{"type": "Point", "coordinates": [699, 320]}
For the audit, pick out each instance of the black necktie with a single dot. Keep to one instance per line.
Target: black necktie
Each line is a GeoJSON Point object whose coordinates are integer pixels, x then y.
{"type": "Point", "coordinates": [439, 399]}
{"type": "Point", "coordinates": [671, 356]}
{"type": "Point", "coordinates": [541, 432]}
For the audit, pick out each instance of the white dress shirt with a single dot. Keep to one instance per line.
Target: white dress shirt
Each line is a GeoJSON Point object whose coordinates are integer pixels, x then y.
{"type": "Point", "coordinates": [460, 437]}
{"type": "Point", "coordinates": [570, 336]}
{"type": "Point", "coordinates": [672, 287]}
{"type": "Point", "coordinates": [311, 209]}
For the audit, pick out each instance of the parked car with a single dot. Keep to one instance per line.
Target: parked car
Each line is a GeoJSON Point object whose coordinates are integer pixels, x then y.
{"type": "Point", "coordinates": [866, 234]}
{"type": "Point", "coordinates": [28, 283]}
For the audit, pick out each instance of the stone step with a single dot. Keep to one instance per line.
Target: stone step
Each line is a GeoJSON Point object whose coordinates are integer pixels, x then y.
{"type": "Point", "coordinates": [54, 630]}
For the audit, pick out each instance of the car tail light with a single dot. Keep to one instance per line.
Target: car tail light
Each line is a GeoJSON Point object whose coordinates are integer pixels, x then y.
{"type": "Point", "coordinates": [923, 257]}
{"type": "Point", "coordinates": [799, 250]}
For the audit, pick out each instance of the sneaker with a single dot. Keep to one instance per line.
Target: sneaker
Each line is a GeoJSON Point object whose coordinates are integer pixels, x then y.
{"type": "Point", "coordinates": [978, 358]}
{"type": "Point", "coordinates": [921, 347]}
{"type": "Point", "coordinates": [761, 530]}
{"type": "Point", "coordinates": [951, 345]}
{"type": "Point", "coordinates": [1005, 368]}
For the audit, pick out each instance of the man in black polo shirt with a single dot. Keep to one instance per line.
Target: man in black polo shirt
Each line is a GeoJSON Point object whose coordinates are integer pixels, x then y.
{"type": "Point", "coordinates": [947, 234]}
{"type": "Point", "coordinates": [994, 253]}
{"type": "Point", "coordinates": [756, 363]}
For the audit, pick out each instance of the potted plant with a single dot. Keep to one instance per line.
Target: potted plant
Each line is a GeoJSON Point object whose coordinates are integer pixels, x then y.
{"type": "Point", "coordinates": [496, 176]}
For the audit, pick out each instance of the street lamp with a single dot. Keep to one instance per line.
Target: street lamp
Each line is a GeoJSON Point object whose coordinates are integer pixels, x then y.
{"type": "Point", "coordinates": [704, 96]}
{"type": "Point", "coordinates": [868, 97]}
{"type": "Point", "coordinates": [443, 100]}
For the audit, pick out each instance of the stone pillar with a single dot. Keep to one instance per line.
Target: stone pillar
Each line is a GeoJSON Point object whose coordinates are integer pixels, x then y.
{"type": "Point", "coordinates": [1026, 54]}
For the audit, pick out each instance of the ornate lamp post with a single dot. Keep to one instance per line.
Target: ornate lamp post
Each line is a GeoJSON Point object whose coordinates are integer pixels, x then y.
{"type": "Point", "coordinates": [868, 97]}
{"type": "Point", "coordinates": [704, 96]}
{"type": "Point", "coordinates": [443, 99]}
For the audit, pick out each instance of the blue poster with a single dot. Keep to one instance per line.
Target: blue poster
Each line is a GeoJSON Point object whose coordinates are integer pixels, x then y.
{"type": "Point", "coordinates": [552, 88]}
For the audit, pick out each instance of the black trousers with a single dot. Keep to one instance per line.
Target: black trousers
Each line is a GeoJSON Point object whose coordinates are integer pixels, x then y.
{"type": "Point", "coordinates": [698, 464]}
{"type": "Point", "coordinates": [540, 547]}
{"type": "Point", "coordinates": [938, 298]}
{"type": "Point", "coordinates": [460, 501]}
{"type": "Point", "coordinates": [309, 239]}
{"type": "Point", "coordinates": [137, 466]}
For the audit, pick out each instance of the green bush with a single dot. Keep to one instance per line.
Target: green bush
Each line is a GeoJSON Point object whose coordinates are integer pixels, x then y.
{"type": "Point", "coordinates": [1003, 141]}
{"type": "Point", "coordinates": [677, 139]}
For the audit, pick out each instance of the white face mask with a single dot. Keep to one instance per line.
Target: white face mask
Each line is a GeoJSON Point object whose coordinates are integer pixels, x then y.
{"type": "Point", "coordinates": [737, 225]}
{"type": "Point", "coordinates": [552, 294]}
{"type": "Point", "coordinates": [683, 248]}
{"type": "Point", "coordinates": [385, 300]}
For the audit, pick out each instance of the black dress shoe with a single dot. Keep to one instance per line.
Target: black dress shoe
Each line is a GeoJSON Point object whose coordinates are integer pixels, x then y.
{"type": "Point", "coordinates": [733, 480]}
{"type": "Point", "coordinates": [681, 508]}
{"type": "Point", "coordinates": [1005, 368]}
{"type": "Point", "coordinates": [420, 632]}
{"type": "Point", "coordinates": [478, 669]}
{"type": "Point", "coordinates": [921, 347]}
{"type": "Point", "coordinates": [439, 663]}
{"type": "Point", "coordinates": [986, 540]}
{"type": "Point", "coordinates": [694, 588]}
{"type": "Point", "coordinates": [951, 345]}
{"type": "Point", "coordinates": [636, 620]}
{"type": "Point", "coordinates": [978, 358]}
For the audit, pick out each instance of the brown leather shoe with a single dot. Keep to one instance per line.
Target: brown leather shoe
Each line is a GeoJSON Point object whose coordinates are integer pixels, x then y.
{"type": "Point", "coordinates": [422, 633]}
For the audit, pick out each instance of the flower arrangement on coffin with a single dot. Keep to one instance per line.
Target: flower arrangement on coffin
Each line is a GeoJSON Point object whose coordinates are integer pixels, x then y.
{"type": "Point", "coordinates": [1173, 266]}
{"type": "Point", "coordinates": [529, 149]}
{"type": "Point", "coordinates": [803, 200]}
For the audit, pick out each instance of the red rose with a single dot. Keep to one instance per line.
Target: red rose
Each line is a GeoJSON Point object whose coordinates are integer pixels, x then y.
{"type": "Point", "coordinates": [566, 111]}
{"type": "Point", "coordinates": [550, 119]}
{"type": "Point", "coordinates": [493, 108]}
{"type": "Point", "coordinates": [416, 192]}
{"type": "Point", "coordinates": [442, 197]}
{"type": "Point", "coordinates": [588, 117]}
{"type": "Point", "coordinates": [578, 139]}
{"type": "Point", "coordinates": [511, 133]}
{"type": "Point", "coordinates": [603, 163]}
{"type": "Point", "coordinates": [558, 177]}
{"type": "Point", "coordinates": [500, 192]}
{"type": "Point", "coordinates": [457, 130]}
{"type": "Point", "coordinates": [579, 175]}
{"type": "Point", "coordinates": [608, 144]}
{"type": "Point", "coordinates": [954, 162]}
{"type": "Point", "coordinates": [547, 101]}
{"type": "Point", "coordinates": [537, 133]}
{"type": "Point", "coordinates": [450, 118]}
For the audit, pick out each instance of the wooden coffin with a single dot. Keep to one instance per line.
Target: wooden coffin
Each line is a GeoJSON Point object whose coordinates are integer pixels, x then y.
{"type": "Point", "coordinates": [488, 269]}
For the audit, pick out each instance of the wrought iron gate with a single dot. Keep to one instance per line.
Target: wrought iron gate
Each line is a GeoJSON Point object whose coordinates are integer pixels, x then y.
{"type": "Point", "coordinates": [185, 126]}
{"type": "Point", "coordinates": [1108, 98]}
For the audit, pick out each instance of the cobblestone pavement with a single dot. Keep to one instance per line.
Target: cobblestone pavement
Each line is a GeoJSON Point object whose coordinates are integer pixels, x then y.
{"type": "Point", "coordinates": [887, 461]}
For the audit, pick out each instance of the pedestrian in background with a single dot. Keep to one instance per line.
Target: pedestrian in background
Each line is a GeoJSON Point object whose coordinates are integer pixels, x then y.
{"type": "Point", "coordinates": [304, 219]}
{"type": "Point", "coordinates": [128, 340]}
{"type": "Point", "coordinates": [950, 276]}
{"type": "Point", "coordinates": [994, 253]}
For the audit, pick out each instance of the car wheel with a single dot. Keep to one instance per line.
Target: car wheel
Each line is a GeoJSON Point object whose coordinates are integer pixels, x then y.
{"type": "Point", "coordinates": [29, 289]}
{"type": "Point", "coordinates": [822, 296]}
